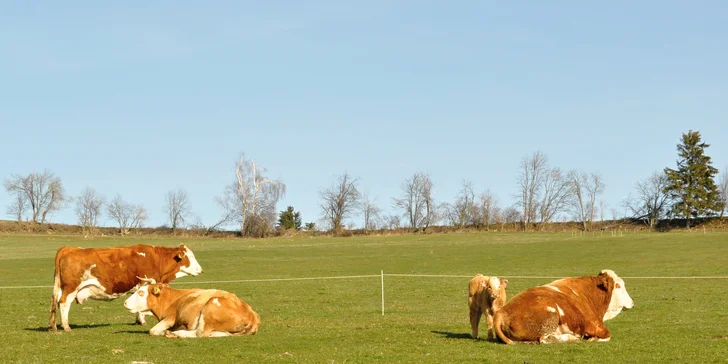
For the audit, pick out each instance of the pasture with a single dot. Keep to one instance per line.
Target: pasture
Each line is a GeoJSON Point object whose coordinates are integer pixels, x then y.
{"type": "Point", "coordinates": [426, 319]}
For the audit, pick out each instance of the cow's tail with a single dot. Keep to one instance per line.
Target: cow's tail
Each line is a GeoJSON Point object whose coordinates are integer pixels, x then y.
{"type": "Point", "coordinates": [55, 298]}
{"type": "Point", "coordinates": [498, 327]}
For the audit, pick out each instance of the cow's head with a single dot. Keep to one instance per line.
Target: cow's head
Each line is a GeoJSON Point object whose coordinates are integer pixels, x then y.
{"type": "Point", "coordinates": [143, 298]}
{"type": "Point", "coordinates": [493, 287]}
{"type": "Point", "coordinates": [620, 298]}
{"type": "Point", "coordinates": [188, 265]}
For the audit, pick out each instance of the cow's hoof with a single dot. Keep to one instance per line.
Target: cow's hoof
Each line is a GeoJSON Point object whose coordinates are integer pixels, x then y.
{"type": "Point", "coordinates": [170, 335]}
{"type": "Point", "coordinates": [67, 329]}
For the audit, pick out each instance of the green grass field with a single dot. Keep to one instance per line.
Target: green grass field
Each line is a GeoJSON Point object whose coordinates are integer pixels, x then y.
{"type": "Point", "coordinates": [426, 318]}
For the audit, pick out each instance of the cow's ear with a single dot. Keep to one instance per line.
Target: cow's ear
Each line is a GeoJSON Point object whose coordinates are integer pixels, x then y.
{"type": "Point", "coordinates": [604, 281]}
{"type": "Point", "coordinates": [156, 290]}
{"type": "Point", "coordinates": [504, 283]}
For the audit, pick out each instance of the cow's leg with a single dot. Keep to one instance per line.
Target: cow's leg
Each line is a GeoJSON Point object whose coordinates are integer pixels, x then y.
{"type": "Point", "coordinates": [489, 321]}
{"type": "Point", "coordinates": [140, 320]}
{"type": "Point", "coordinates": [596, 331]}
{"type": "Point", "coordinates": [475, 313]}
{"type": "Point", "coordinates": [65, 307]}
{"type": "Point", "coordinates": [161, 327]}
{"type": "Point", "coordinates": [55, 297]}
{"type": "Point", "coordinates": [183, 334]}
{"type": "Point", "coordinates": [219, 334]}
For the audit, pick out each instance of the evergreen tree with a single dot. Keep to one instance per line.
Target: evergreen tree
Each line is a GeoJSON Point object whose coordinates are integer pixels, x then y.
{"type": "Point", "coordinates": [289, 219]}
{"type": "Point", "coordinates": [692, 185]}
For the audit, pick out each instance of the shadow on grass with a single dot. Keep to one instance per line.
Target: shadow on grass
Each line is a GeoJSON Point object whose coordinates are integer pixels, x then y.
{"type": "Point", "coordinates": [60, 329]}
{"type": "Point", "coordinates": [454, 335]}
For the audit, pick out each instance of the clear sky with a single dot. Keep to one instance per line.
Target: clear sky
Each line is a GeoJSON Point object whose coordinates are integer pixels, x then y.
{"type": "Point", "coordinates": [140, 99]}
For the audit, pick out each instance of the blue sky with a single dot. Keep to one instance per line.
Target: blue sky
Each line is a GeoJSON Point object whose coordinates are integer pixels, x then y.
{"type": "Point", "coordinates": [138, 100]}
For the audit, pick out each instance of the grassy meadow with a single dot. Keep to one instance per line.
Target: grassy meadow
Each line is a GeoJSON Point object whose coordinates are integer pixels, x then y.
{"type": "Point", "coordinates": [426, 318]}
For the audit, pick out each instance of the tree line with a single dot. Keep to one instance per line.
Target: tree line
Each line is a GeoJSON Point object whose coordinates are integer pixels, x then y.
{"type": "Point", "coordinates": [544, 195]}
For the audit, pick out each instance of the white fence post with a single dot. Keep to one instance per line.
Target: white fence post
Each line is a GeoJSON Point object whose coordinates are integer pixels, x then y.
{"type": "Point", "coordinates": [382, 292]}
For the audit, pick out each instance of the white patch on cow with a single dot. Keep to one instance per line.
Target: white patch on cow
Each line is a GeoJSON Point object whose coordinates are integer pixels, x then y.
{"type": "Point", "coordinates": [91, 288]}
{"type": "Point", "coordinates": [193, 269]}
{"type": "Point", "coordinates": [550, 309]}
{"type": "Point", "coordinates": [554, 288]}
{"type": "Point", "coordinates": [620, 298]}
{"type": "Point", "coordinates": [219, 334]}
{"type": "Point", "coordinates": [215, 301]}
{"type": "Point", "coordinates": [188, 334]}
{"type": "Point", "coordinates": [561, 312]}
{"type": "Point", "coordinates": [574, 292]}
{"type": "Point", "coordinates": [138, 303]}
{"type": "Point", "coordinates": [142, 254]}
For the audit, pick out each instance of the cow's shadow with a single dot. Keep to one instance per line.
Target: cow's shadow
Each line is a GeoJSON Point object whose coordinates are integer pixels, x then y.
{"type": "Point", "coordinates": [60, 329]}
{"type": "Point", "coordinates": [456, 335]}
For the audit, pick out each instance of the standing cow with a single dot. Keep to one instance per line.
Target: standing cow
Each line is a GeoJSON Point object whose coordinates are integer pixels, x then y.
{"type": "Point", "coordinates": [192, 313]}
{"type": "Point", "coordinates": [107, 273]}
{"type": "Point", "coordinates": [486, 295]}
{"type": "Point", "coordinates": [569, 309]}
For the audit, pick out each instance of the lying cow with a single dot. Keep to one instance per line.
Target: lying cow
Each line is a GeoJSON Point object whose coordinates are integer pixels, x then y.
{"type": "Point", "coordinates": [569, 309]}
{"type": "Point", "coordinates": [107, 273]}
{"type": "Point", "coordinates": [194, 312]}
{"type": "Point", "coordinates": [486, 295]}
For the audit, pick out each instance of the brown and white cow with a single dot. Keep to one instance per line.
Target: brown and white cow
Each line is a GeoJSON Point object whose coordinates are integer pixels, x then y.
{"type": "Point", "coordinates": [569, 309]}
{"type": "Point", "coordinates": [107, 273]}
{"type": "Point", "coordinates": [486, 295]}
{"type": "Point", "coordinates": [194, 312]}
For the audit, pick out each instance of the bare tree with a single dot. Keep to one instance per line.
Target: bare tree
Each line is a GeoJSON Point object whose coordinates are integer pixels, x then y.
{"type": "Point", "coordinates": [127, 215]}
{"type": "Point", "coordinates": [652, 202]}
{"type": "Point", "coordinates": [392, 222]}
{"type": "Point", "coordinates": [17, 206]}
{"type": "Point", "coordinates": [586, 188]}
{"type": "Point", "coordinates": [602, 209]}
{"type": "Point", "coordinates": [487, 208]}
{"type": "Point", "coordinates": [530, 177]}
{"type": "Point", "coordinates": [370, 211]}
{"type": "Point", "coordinates": [461, 212]}
{"type": "Point", "coordinates": [88, 209]}
{"type": "Point", "coordinates": [511, 215]}
{"type": "Point", "coordinates": [251, 199]}
{"type": "Point", "coordinates": [43, 192]}
{"type": "Point", "coordinates": [723, 190]}
{"type": "Point", "coordinates": [339, 201]}
{"type": "Point", "coordinates": [615, 214]}
{"type": "Point", "coordinates": [556, 192]}
{"type": "Point", "coordinates": [177, 208]}
{"type": "Point", "coordinates": [416, 202]}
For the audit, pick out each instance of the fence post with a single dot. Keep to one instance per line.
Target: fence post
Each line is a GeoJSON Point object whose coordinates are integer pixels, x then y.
{"type": "Point", "coordinates": [382, 292]}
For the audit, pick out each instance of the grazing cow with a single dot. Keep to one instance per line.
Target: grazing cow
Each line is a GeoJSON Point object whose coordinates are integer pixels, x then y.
{"type": "Point", "coordinates": [486, 295]}
{"type": "Point", "coordinates": [569, 309]}
{"type": "Point", "coordinates": [194, 312]}
{"type": "Point", "coordinates": [107, 273]}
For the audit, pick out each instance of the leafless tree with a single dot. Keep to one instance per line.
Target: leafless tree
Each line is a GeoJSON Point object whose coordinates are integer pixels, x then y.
{"type": "Point", "coordinates": [602, 209]}
{"type": "Point", "coordinates": [586, 188]}
{"type": "Point", "coordinates": [532, 171]}
{"type": "Point", "coordinates": [460, 213]}
{"type": "Point", "coordinates": [723, 190]}
{"type": "Point", "coordinates": [651, 203]}
{"type": "Point", "coordinates": [555, 195]}
{"type": "Point", "coordinates": [251, 199]}
{"type": "Point", "coordinates": [88, 209]}
{"type": "Point", "coordinates": [370, 211]}
{"type": "Point", "coordinates": [42, 192]}
{"type": "Point", "coordinates": [392, 222]}
{"type": "Point", "coordinates": [487, 208]}
{"type": "Point", "coordinates": [416, 202]}
{"type": "Point", "coordinates": [339, 201]}
{"type": "Point", "coordinates": [18, 206]}
{"type": "Point", "coordinates": [511, 215]}
{"type": "Point", "coordinates": [177, 208]}
{"type": "Point", "coordinates": [615, 214]}
{"type": "Point", "coordinates": [127, 215]}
